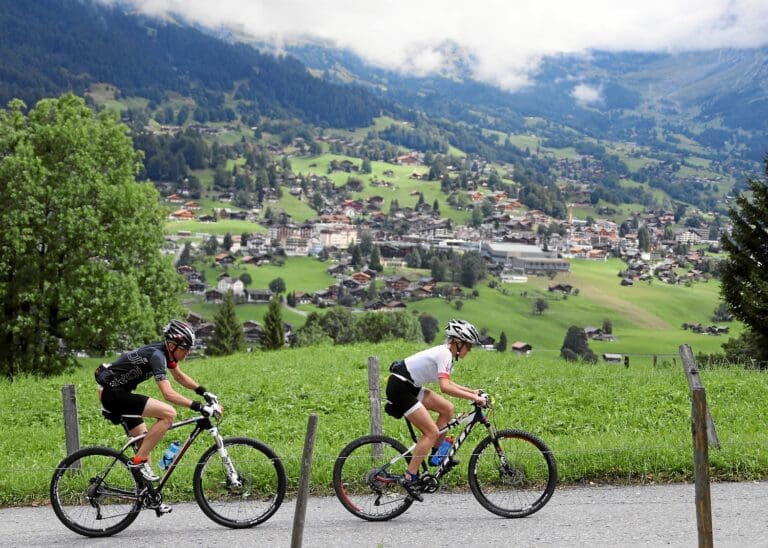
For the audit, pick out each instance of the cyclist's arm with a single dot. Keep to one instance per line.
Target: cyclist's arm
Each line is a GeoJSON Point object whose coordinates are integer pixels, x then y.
{"type": "Point", "coordinates": [183, 379]}
{"type": "Point", "coordinates": [170, 395]}
{"type": "Point", "coordinates": [447, 386]}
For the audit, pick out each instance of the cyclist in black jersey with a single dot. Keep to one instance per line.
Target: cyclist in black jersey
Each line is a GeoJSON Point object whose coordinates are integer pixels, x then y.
{"type": "Point", "coordinates": [118, 380]}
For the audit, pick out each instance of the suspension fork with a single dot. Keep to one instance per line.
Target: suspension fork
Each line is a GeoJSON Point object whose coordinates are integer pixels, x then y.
{"type": "Point", "coordinates": [494, 434]}
{"type": "Point", "coordinates": [233, 478]}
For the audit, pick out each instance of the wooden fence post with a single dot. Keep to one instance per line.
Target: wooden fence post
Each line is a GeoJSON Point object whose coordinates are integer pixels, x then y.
{"type": "Point", "coordinates": [701, 467]}
{"type": "Point", "coordinates": [374, 394]}
{"type": "Point", "coordinates": [374, 400]}
{"type": "Point", "coordinates": [71, 422]}
{"type": "Point", "coordinates": [300, 513]}
{"type": "Point", "coordinates": [703, 431]}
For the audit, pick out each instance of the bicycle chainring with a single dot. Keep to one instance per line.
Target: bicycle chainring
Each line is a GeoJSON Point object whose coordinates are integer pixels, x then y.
{"type": "Point", "coordinates": [429, 483]}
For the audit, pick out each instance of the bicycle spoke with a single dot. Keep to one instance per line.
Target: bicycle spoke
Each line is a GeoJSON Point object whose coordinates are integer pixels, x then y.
{"type": "Point", "coordinates": [366, 483]}
{"type": "Point", "coordinates": [243, 492]}
{"type": "Point", "coordinates": [515, 480]}
{"type": "Point", "coordinates": [93, 494]}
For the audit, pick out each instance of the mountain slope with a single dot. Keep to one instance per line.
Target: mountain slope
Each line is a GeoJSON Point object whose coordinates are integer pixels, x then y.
{"type": "Point", "coordinates": [724, 89]}
{"type": "Point", "coordinates": [52, 46]}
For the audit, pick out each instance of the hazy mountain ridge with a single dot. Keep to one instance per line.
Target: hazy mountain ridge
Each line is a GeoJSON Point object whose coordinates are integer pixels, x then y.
{"type": "Point", "coordinates": [52, 46]}
{"type": "Point", "coordinates": [721, 86]}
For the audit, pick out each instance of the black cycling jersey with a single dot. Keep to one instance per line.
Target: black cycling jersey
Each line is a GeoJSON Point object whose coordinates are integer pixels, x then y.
{"type": "Point", "coordinates": [134, 367]}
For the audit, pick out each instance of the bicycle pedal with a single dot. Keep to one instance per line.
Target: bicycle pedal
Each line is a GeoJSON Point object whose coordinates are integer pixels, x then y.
{"type": "Point", "coordinates": [163, 509]}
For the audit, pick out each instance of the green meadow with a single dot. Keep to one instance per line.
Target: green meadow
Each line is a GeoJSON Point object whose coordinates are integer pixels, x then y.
{"type": "Point", "coordinates": [605, 423]}
{"type": "Point", "coordinates": [647, 318]}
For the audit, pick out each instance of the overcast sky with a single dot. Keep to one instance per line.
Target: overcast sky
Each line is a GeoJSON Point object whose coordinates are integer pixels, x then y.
{"type": "Point", "coordinates": [504, 38]}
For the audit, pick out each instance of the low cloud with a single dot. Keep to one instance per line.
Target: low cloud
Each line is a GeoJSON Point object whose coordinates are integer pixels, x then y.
{"type": "Point", "coordinates": [587, 95]}
{"type": "Point", "coordinates": [503, 40]}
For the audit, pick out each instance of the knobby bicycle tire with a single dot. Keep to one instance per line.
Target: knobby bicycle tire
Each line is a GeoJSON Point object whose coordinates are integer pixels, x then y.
{"type": "Point", "coordinates": [94, 493]}
{"type": "Point", "coordinates": [261, 489]}
{"type": "Point", "coordinates": [362, 485]}
{"type": "Point", "coordinates": [518, 484]}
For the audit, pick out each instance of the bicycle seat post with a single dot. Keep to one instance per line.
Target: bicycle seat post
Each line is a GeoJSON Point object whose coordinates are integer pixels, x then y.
{"type": "Point", "coordinates": [134, 445]}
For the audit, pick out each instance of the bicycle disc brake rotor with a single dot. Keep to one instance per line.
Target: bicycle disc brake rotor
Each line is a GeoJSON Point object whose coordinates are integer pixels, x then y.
{"type": "Point", "coordinates": [377, 480]}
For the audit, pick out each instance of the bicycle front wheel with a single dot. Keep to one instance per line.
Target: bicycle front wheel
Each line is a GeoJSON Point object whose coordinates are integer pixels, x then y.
{"type": "Point", "coordinates": [365, 478]}
{"type": "Point", "coordinates": [94, 493]}
{"type": "Point", "coordinates": [512, 475]}
{"type": "Point", "coordinates": [243, 488]}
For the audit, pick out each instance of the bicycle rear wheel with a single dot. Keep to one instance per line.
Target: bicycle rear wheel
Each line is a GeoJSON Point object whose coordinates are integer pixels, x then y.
{"type": "Point", "coordinates": [365, 478]}
{"type": "Point", "coordinates": [246, 494]}
{"type": "Point", "coordinates": [513, 475]}
{"type": "Point", "coordinates": [94, 493]}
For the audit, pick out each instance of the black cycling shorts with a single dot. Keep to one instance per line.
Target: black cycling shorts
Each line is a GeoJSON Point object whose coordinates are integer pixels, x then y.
{"type": "Point", "coordinates": [122, 402]}
{"type": "Point", "coordinates": [402, 397]}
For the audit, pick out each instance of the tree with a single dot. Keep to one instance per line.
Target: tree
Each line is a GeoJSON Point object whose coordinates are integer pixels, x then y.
{"type": "Point", "coordinates": [357, 257]}
{"type": "Point", "coordinates": [413, 259]}
{"type": "Point", "coordinates": [472, 268]}
{"type": "Point", "coordinates": [722, 313]}
{"type": "Point", "coordinates": [185, 257]}
{"type": "Point", "coordinates": [608, 326]}
{"type": "Point", "coordinates": [228, 336]}
{"type": "Point", "coordinates": [429, 327]}
{"type": "Point", "coordinates": [274, 332]}
{"type": "Point", "coordinates": [80, 261]}
{"type": "Point", "coordinates": [366, 243]}
{"type": "Point", "coordinates": [339, 324]}
{"type": "Point", "coordinates": [377, 327]}
{"type": "Point", "coordinates": [575, 346]}
{"type": "Point", "coordinates": [501, 346]}
{"type": "Point", "coordinates": [439, 269]}
{"type": "Point", "coordinates": [246, 279]}
{"type": "Point", "coordinates": [277, 286]}
{"type": "Point", "coordinates": [375, 261]}
{"type": "Point", "coordinates": [311, 332]}
{"type": "Point", "coordinates": [744, 276]}
{"type": "Point", "coordinates": [211, 246]}
{"type": "Point", "coordinates": [539, 306]}
{"type": "Point", "coordinates": [226, 243]}
{"type": "Point", "coordinates": [643, 238]}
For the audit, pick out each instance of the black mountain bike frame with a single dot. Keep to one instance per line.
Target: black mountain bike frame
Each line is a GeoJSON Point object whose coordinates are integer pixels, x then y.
{"type": "Point", "coordinates": [471, 419]}
{"type": "Point", "coordinates": [201, 423]}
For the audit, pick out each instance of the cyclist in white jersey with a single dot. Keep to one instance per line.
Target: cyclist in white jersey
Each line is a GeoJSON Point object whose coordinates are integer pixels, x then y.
{"type": "Point", "coordinates": [407, 397]}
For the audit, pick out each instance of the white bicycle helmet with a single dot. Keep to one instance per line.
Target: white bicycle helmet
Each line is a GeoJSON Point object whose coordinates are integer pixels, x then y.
{"type": "Point", "coordinates": [463, 331]}
{"type": "Point", "coordinates": [180, 333]}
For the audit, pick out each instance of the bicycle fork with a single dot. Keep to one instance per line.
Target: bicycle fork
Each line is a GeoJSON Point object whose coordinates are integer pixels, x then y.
{"type": "Point", "coordinates": [233, 478]}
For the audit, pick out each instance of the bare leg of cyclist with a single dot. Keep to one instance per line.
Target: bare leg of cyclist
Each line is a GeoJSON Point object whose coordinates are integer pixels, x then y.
{"type": "Point", "coordinates": [444, 408]}
{"type": "Point", "coordinates": [165, 415]}
{"type": "Point", "coordinates": [422, 420]}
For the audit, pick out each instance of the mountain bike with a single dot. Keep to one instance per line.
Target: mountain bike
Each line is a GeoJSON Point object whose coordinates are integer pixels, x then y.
{"type": "Point", "coordinates": [511, 473]}
{"type": "Point", "coordinates": [238, 482]}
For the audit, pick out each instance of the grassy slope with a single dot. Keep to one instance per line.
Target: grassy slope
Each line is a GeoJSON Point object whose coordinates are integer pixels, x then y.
{"type": "Point", "coordinates": [604, 423]}
{"type": "Point", "coordinates": [646, 318]}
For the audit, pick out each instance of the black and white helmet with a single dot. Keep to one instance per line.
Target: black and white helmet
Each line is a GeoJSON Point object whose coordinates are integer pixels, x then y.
{"type": "Point", "coordinates": [463, 331]}
{"type": "Point", "coordinates": [180, 333]}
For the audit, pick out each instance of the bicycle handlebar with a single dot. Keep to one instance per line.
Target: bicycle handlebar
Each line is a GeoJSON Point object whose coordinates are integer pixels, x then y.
{"type": "Point", "coordinates": [488, 400]}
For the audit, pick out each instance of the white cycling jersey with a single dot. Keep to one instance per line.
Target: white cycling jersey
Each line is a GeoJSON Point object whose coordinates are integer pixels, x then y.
{"type": "Point", "coordinates": [430, 365]}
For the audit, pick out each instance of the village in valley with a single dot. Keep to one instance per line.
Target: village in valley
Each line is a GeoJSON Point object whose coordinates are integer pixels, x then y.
{"type": "Point", "coordinates": [514, 241]}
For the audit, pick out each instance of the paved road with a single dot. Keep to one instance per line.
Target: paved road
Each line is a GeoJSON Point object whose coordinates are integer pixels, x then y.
{"type": "Point", "coordinates": [584, 516]}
